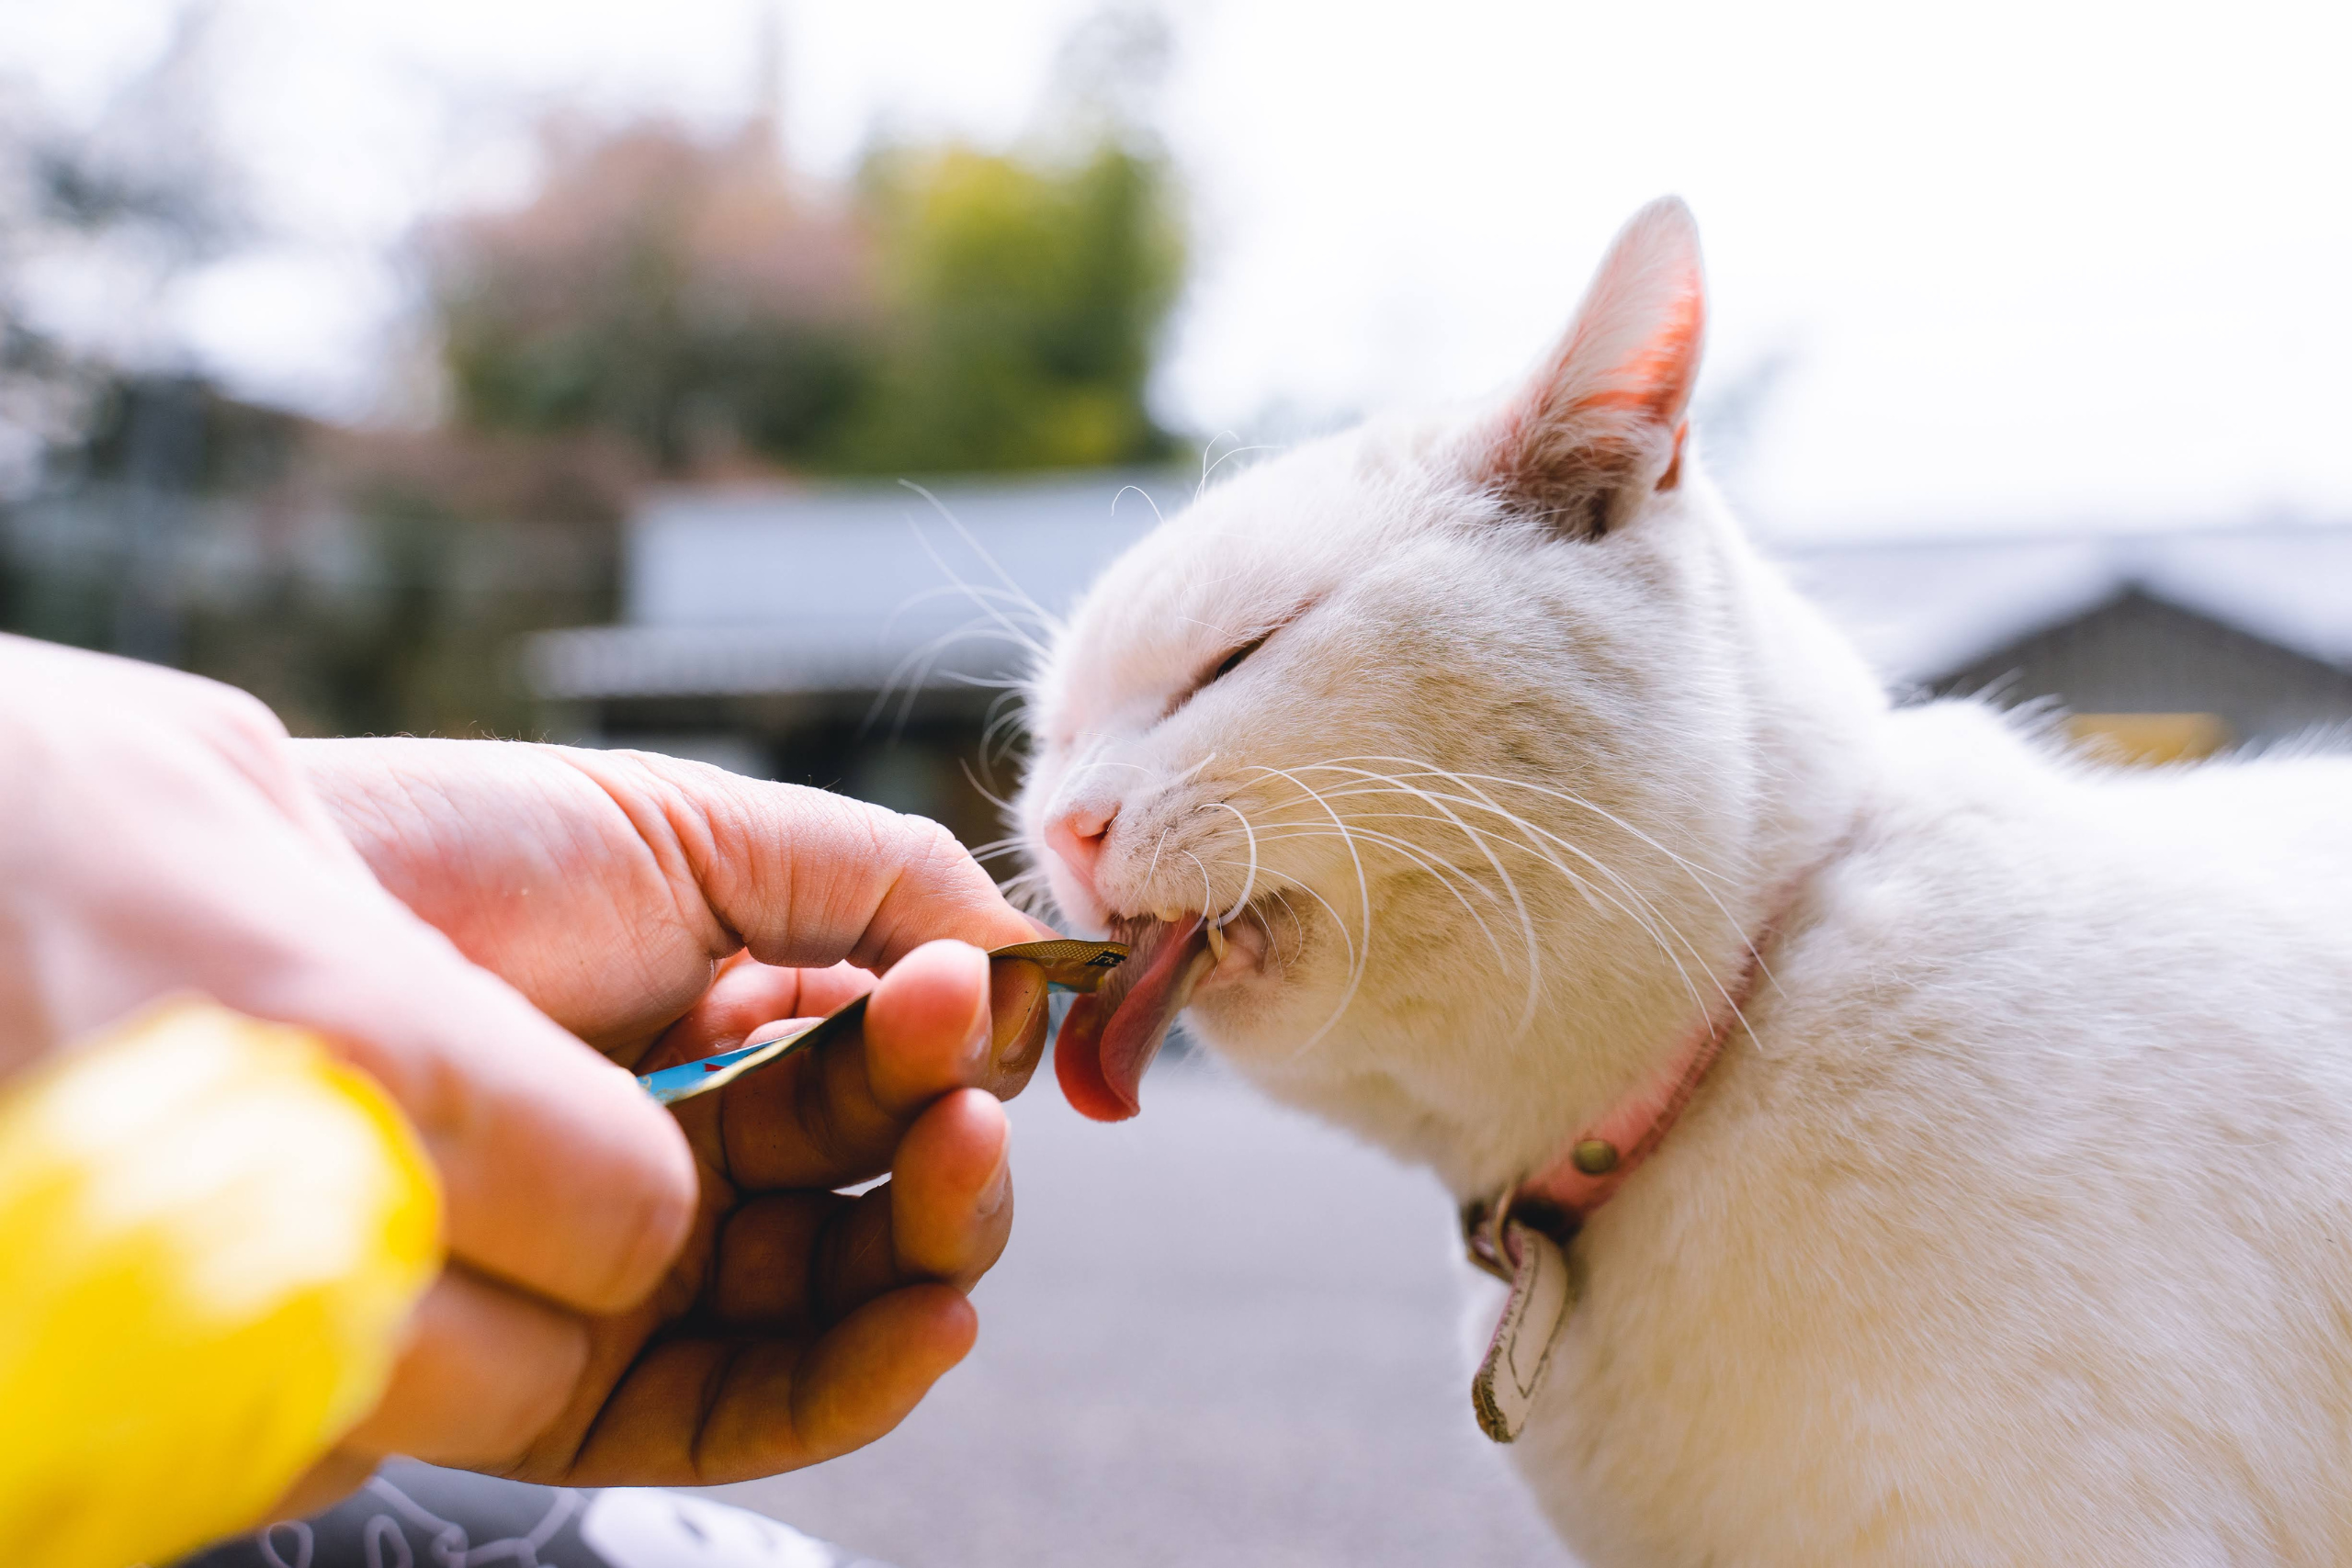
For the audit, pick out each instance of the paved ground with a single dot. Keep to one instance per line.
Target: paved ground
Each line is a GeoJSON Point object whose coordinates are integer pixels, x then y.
{"type": "Point", "coordinates": [1223, 1336]}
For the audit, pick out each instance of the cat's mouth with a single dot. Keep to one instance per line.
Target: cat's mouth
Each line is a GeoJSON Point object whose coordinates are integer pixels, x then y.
{"type": "Point", "coordinates": [1110, 1038]}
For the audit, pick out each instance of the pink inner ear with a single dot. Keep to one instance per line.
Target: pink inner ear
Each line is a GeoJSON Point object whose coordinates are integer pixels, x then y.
{"type": "Point", "coordinates": [1607, 402]}
{"type": "Point", "coordinates": [1657, 377]}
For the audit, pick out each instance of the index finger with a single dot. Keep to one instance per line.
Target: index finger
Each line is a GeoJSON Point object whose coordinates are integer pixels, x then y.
{"type": "Point", "coordinates": [804, 877]}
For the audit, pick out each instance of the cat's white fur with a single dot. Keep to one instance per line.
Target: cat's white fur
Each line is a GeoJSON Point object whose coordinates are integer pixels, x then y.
{"type": "Point", "coordinates": [2016, 1227]}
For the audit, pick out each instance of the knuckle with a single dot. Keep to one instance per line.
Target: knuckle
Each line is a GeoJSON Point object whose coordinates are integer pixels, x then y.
{"type": "Point", "coordinates": [935, 852]}
{"type": "Point", "coordinates": [243, 717]}
{"type": "Point", "coordinates": [234, 722]}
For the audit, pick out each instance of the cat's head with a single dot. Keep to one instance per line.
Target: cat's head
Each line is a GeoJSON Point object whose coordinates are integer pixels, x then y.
{"type": "Point", "coordinates": [1427, 756]}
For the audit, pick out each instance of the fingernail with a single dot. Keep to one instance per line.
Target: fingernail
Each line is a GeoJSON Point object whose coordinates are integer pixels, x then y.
{"type": "Point", "coordinates": [1022, 1042]}
{"type": "Point", "coordinates": [999, 1186]}
{"type": "Point", "coordinates": [1017, 1038]}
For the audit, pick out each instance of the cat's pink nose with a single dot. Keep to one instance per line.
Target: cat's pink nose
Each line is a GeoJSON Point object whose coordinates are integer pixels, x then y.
{"type": "Point", "coordinates": [1077, 836]}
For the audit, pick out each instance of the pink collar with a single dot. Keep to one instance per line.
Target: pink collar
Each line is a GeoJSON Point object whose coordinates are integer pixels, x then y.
{"type": "Point", "coordinates": [1559, 1198]}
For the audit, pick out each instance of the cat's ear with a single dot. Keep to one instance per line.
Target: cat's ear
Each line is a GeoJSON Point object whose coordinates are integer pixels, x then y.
{"type": "Point", "coordinates": [1600, 426]}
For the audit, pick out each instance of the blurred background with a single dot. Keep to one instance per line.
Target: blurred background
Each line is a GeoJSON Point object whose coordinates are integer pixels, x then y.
{"type": "Point", "coordinates": [746, 378]}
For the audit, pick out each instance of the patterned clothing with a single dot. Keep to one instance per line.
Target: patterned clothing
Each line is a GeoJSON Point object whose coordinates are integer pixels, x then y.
{"type": "Point", "coordinates": [413, 1516]}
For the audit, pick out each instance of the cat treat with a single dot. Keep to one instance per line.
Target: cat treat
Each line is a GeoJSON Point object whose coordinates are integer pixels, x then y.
{"type": "Point", "coordinates": [1069, 965]}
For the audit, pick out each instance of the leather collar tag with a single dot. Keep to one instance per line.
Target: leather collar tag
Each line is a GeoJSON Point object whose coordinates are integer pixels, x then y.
{"type": "Point", "coordinates": [1541, 1295]}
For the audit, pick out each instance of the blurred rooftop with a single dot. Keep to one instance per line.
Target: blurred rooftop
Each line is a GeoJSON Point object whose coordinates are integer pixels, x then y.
{"type": "Point", "coordinates": [864, 586]}
{"type": "Point", "coordinates": [847, 587]}
{"type": "Point", "coordinates": [1923, 610]}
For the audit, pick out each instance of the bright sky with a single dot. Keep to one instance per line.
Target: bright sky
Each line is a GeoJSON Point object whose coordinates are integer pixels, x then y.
{"type": "Point", "coordinates": [2025, 261]}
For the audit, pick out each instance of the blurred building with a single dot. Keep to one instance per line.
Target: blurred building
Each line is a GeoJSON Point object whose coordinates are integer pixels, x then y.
{"type": "Point", "coordinates": [359, 581]}
{"type": "Point", "coordinates": [2160, 645]}
{"type": "Point", "coordinates": [867, 638]}
{"type": "Point", "coordinates": [858, 636]}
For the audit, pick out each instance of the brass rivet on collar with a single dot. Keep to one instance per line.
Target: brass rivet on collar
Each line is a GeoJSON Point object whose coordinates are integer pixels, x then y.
{"type": "Point", "coordinates": [1595, 1157]}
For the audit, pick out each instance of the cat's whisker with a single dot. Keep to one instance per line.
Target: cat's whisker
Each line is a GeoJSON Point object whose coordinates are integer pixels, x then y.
{"type": "Point", "coordinates": [1002, 805]}
{"type": "Point", "coordinates": [1250, 881]}
{"type": "Point", "coordinates": [1532, 830]}
{"type": "Point", "coordinates": [1266, 924]}
{"type": "Point", "coordinates": [1647, 917]}
{"type": "Point", "coordinates": [1357, 956]}
{"type": "Point", "coordinates": [1022, 605]}
{"type": "Point", "coordinates": [1341, 831]}
{"type": "Point", "coordinates": [1028, 891]}
{"type": "Point", "coordinates": [1282, 896]}
{"type": "Point", "coordinates": [1005, 723]}
{"type": "Point", "coordinates": [1568, 797]}
{"type": "Point", "coordinates": [1092, 764]}
{"type": "Point", "coordinates": [1424, 858]}
{"type": "Point", "coordinates": [998, 849]}
{"type": "Point", "coordinates": [1480, 835]}
{"type": "Point", "coordinates": [1337, 922]}
{"type": "Point", "coordinates": [1526, 920]}
{"type": "Point", "coordinates": [1480, 799]}
{"type": "Point", "coordinates": [1534, 835]}
{"type": "Point", "coordinates": [1643, 918]}
{"type": "Point", "coordinates": [1157, 515]}
{"type": "Point", "coordinates": [1155, 848]}
{"type": "Point", "coordinates": [1209, 468]}
{"type": "Point", "coordinates": [914, 670]}
{"type": "Point", "coordinates": [1705, 878]}
{"type": "Point", "coordinates": [1453, 875]}
{"type": "Point", "coordinates": [1048, 621]}
{"type": "Point", "coordinates": [988, 600]}
{"type": "Point", "coordinates": [1208, 896]}
{"type": "Point", "coordinates": [1434, 868]}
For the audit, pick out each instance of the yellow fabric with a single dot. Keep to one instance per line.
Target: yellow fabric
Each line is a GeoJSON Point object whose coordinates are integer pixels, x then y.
{"type": "Point", "coordinates": [211, 1236]}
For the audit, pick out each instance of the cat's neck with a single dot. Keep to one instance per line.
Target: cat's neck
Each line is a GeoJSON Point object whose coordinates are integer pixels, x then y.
{"type": "Point", "coordinates": [1815, 718]}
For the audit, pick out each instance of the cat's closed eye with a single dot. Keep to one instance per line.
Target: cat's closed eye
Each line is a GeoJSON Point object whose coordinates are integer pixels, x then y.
{"type": "Point", "coordinates": [1233, 659]}
{"type": "Point", "coordinates": [1225, 667]}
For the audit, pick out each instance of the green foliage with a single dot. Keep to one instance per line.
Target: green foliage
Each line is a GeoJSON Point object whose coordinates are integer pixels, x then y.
{"type": "Point", "coordinates": [969, 310]}
{"type": "Point", "coordinates": [1028, 301]}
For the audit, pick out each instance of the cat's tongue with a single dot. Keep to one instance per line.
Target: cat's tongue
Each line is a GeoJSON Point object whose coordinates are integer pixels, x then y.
{"type": "Point", "coordinates": [1110, 1037]}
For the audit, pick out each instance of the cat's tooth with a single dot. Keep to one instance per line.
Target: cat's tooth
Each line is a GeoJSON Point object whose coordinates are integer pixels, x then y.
{"type": "Point", "coordinates": [1216, 943]}
{"type": "Point", "coordinates": [1169, 916]}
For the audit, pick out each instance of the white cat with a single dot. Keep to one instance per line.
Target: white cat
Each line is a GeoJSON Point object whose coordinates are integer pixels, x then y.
{"type": "Point", "coordinates": [2013, 1222]}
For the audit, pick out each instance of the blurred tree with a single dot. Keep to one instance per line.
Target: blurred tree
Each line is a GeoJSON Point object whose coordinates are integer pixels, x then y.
{"type": "Point", "coordinates": [664, 305]}
{"type": "Point", "coordinates": [961, 310]}
{"type": "Point", "coordinates": [356, 581]}
{"type": "Point", "coordinates": [686, 296]}
{"type": "Point", "coordinates": [139, 197]}
{"type": "Point", "coordinates": [1028, 298]}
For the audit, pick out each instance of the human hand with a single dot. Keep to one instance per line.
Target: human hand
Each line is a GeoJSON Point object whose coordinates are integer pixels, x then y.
{"type": "Point", "coordinates": [663, 911]}
{"type": "Point", "coordinates": [156, 835]}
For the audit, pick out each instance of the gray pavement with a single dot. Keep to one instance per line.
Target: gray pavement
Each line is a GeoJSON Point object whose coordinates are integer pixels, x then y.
{"type": "Point", "coordinates": [1223, 1335]}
